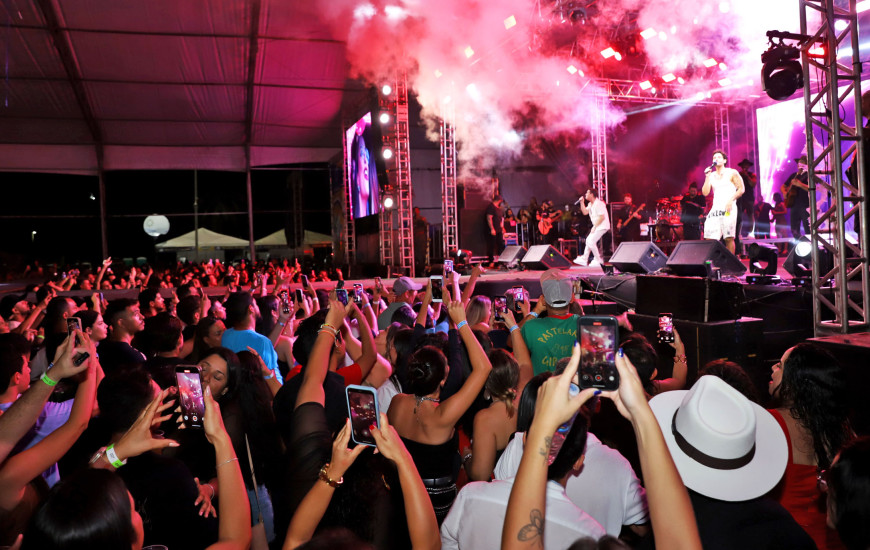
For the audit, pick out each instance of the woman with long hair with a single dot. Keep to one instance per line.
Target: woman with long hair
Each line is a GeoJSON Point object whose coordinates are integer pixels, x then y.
{"type": "Point", "coordinates": [810, 385]}
{"type": "Point", "coordinates": [209, 332]}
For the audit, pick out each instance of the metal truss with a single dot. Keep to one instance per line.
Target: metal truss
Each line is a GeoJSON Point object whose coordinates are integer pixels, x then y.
{"type": "Point", "coordinates": [599, 148]}
{"type": "Point", "coordinates": [847, 200]}
{"type": "Point", "coordinates": [449, 204]}
{"type": "Point", "coordinates": [722, 130]}
{"type": "Point", "coordinates": [347, 205]}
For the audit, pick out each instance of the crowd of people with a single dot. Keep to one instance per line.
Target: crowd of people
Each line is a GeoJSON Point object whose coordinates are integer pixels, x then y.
{"type": "Point", "coordinates": [99, 450]}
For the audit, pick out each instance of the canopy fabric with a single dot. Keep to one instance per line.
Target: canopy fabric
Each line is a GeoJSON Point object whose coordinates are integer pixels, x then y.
{"type": "Point", "coordinates": [169, 84]}
{"type": "Point", "coordinates": [207, 239]}
{"type": "Point", "coordinates": [279, 238]}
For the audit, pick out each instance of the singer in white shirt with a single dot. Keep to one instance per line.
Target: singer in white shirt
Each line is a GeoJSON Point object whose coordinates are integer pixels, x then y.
{"type": "Point", "coordinates": [727, 187]}
{"type": "Point", "coordinates": [597, 212]}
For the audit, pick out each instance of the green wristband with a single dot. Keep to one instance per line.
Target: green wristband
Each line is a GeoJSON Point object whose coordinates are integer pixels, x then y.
{"type": "Point", "coordinates": [48, 381]}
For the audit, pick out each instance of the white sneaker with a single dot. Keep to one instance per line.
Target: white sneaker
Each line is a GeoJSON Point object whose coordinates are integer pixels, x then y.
{"type": "Point", "coordinates": [594, 263]}
{"type": "Point", "coordinates": [580, 260]}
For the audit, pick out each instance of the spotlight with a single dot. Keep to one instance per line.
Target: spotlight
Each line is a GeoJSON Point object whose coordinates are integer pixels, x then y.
{"type": "Point", "coordinates": [608, 52]}
{"type": "Point", "coordinates": [388, 153]}
{"type": "Point", "coordinates": [645, 85]}
{"type": "Point", "coordinates": [762, 259]}
{"type": "Point", "coordinates": [389, 201]}
{"type": "Point", "coordinates": [710, 62]}
{"type": "Point", "coordinates": [803, 248]}
{"type": "Point", "coordinates": [799, 262]}
{"type": "Point", "coordinates": [669, 77]}
{"type": "Point", "coordinates": [648, 33]}
{"type": "Point", "coordinates": [387, 89]}
{"type": "Point", "coordinates": [384, 118]}
{"type": "Point", "coordinates": [781, 75]}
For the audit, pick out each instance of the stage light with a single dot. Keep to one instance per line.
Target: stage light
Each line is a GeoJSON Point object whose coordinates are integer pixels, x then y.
{"type": "Point", "coordinates": [700, 95]}
{"type": "Point", "coordinates": [663, 35]}
{"type": "Point", "coordinates": [817, 52]}
{"type": "Point", "coordinates": [781, 73]}
{"type": "Point", "coordinates": [669, 77]}
{"type": "Point", "coordinates": [645, 85]}
{"type": "Point", "coordinates": [710, 62]}
{"type": "Point", "coordinates": [384, 118]}
{"type": "Point", "coordinates": [388, 153]}
{"type": "Point", "coordinates": [841, 24]}
{"type": "Point", "coordinates": [438, 74]}
{"type": "Point", "coordinates": [580, 73]}
{"type": "Point", "coordinates": [673, 29]}
{"type": "Point", "coordinates": [608, 53]}
{"type": "Point", "coordinates": [386, 90]}
{"type": "Point", "coordinates": [725, 82]}
{"type": "Point", "coordinates": [389, 201]}
{"type": "Point", "coordinates": [510, 22]}
{"type": "Point", "coordinates": [723, 67]}
{"type": "Point", "coordinates": [468, 51]}
{"type": "Point", "coordinates": [617, 56]}
{"type": "Point", "coordinates": [572, 69]}
{"type": "Point", "coordinates": [803, 247]}
{"type": "Point", "coordinates": [648, 33]}
{"type": "Point", "coordinates": [762, 258]}
{"type": "Point", "coordinates": [864, 5]}
{"type": "Point", "coordinates": [653, 91]}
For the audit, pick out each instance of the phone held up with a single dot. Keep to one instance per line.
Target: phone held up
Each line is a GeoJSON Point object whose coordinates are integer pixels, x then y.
{"type": "Point", "coordinates": [598, 336]}
{"type": "Point", "coordinates": [437, 282]}
{"type": "Point", "coordinates": [666, 328]}
{"type": "Point", "coordinates": [189, 381]}
{"type": "Point", "coordinates": [499, 307]}
{"type": "Point", "coordinates": [341, 295]}
{"type": "Point", "coordinates": [362, 407]}
{"type": "Point", "coordinates": [357, 293]}
{"type": "Point", "coordinates": [285, 301]}
{"type": "Point", "coordinates": [448, 267]}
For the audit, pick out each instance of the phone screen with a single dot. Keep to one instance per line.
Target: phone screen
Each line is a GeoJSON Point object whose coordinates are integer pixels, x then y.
{"type": "Point", "coordinates": [598, 341]}
{"type": "Point", "coordinates": [285, 301]}
{"type": "Point", "coordinates": [73, 324]}
{"type": "Point", "coordinates": [666, 328]}
{"type": "Point", "coordinates": [357, 293]}
{"type": "Point", "coordinates": [499, 307]}
{"type": "Point", "coordinates": [448, 267]}
{"type": "Point", "coordinates": [362, 407]}
{"type": "Point", "coordinates": [437, 284]}
{"type": "Point", "coordinates": [304, 280]}
{"type": "Point", "coordinates": [299, 295]}
{"type": "Point", "coordinates": [341, 295]}
{"type": "Point", "coordinates": [189, 382]}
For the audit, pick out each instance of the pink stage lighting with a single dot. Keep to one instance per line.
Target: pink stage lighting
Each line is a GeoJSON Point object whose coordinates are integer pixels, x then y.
{"type": "Point", "coordinates": [669, 77]}
{"type": "Point", "coordinates": [710, 63]}
{"type": "Point", "coordinates": [645, 85]}
{"type": "Point", "coordinates": [608, 53]}
{"type": "Point", "coordinates": [648, 33]}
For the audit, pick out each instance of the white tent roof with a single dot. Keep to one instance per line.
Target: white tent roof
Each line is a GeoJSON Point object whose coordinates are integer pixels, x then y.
{"type": "Point", "coordinates": [169, 84]}
{"type": "Point", "coordinates": [207, 239]}
{"type": "Point", "coordinates": [279, 238]}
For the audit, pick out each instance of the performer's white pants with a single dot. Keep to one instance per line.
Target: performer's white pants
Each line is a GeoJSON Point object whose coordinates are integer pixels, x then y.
{"type": "Point", "coordinates": [592, 244]}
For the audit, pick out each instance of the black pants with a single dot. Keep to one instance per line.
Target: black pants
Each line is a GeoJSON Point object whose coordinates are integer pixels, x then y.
{"type": "Point", "coordinates": [494, 245]}
{"type": "Point", "coordinates": [799, 217]}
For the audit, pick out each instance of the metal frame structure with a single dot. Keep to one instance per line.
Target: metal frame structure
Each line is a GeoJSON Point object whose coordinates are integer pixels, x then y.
{"type": "Point", "coordinates": [823, 115]}
{"type": "Point", "coordinates": [347, 204]}
{"type": "Point", "coordinates": [396, 224]}
{"type": "Point", "coordinates": [599, 148]}
{"type": "Point", "coordinates": [449, 197]}
{"type": "Point", "coordinates": [722, 128]}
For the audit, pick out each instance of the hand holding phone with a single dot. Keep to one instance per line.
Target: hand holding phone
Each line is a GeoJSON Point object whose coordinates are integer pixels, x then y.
{"type": "Point", "coordinates": [189, 381]}
{"type": "Point", "coordinates": [437, 283]}
{"type": "Point", "coordinates": [341, 295]}
{"type": "Point", "coordinates": [73, 324]}
{"type": "Point", "coordinates": [285, 301]}
{"type": "Point", "coordinates": [362, 408]}
{"type": "Point", "coordinates": [666, 328]}
{"type": "Point", "coordinates": [499, 308]}
{"type": "Point", "coordinates": [357, 293]}
{"type": "Point", "coordinates": [598, 337]}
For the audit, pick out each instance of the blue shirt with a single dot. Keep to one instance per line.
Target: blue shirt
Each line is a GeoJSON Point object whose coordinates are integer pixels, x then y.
{"type": "Point", "coordinates": [239, 340]}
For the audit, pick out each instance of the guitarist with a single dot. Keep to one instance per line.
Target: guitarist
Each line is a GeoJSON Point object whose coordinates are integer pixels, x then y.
{"type": "Point", "coordinates": [795, 189]}
{"type": "Point", "coordinates": [546, 217]}
{"type": "Point", "coordinates": [597, 212]}
{"type": "Point", "coordinates": [628, 224]}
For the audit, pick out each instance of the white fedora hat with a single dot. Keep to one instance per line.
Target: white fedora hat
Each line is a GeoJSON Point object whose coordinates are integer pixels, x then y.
{"type": "Point", "coordinates": [724, 446]}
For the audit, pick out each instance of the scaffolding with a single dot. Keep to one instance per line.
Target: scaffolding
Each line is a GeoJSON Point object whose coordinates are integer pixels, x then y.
{"type": "Point", "coordinates": [823, 100]}
{"type": "Point", "coordinates": [347, 205]}
{"type": "Point", "coordinates": [396, 224]}
{"type": "Point", "coordinates": [722, 130]}
{"type": "Point", "coordinates": [449, 204]}
{"type": "Point", "coordinates": [599, 147]}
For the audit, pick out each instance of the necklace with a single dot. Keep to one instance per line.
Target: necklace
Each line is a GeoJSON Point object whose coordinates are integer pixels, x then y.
{"type": "Point", "coordinates": [419, 400]}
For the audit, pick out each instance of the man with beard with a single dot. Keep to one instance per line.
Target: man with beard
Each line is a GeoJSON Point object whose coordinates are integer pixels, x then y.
{"type": "Point", "coordinates": [242, 316]}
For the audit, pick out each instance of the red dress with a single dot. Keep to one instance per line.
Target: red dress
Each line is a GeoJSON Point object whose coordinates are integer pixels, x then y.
{"type": "Point", "coordinates": [799, 494]}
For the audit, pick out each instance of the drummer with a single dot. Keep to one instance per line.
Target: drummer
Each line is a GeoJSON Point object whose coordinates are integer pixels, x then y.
{"type": "Point", "coordinates": [693, 206]}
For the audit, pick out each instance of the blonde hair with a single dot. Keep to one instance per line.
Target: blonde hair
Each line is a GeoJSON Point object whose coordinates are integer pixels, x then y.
{"type": "Point", "coordinates": [477, 310]}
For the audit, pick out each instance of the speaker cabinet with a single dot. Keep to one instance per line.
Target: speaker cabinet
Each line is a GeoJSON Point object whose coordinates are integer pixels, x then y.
{"type": "Point", "coordinates": [690, 298]}
{"type": "Point", "coordinates": [689, 259]}
{"type": "Point", "coordinates": [638, 257]}
{"type": "Point", "coordinates": [511, 255]}
{"type": "Point", "coordinates": [544, 256]}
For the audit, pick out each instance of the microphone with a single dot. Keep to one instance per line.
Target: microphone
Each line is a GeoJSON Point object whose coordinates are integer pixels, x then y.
{"type": "Point", "coordinates": [714, 166]}
{"type": "Point", "coordinates": [578, 201]}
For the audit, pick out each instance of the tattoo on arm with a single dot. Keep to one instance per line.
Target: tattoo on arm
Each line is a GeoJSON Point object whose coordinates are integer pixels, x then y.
{"type": "Point", "coordinates": [534, 531]}
{"type": "Point", "coordinates": [545, 450]}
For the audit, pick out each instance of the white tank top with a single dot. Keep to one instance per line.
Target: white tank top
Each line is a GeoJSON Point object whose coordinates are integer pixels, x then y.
{"type": "Point", "coordinates": [723, 188]}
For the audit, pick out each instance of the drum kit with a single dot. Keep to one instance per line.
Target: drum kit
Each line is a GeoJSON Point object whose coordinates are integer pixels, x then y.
{"type": "Point", "coordinates": [669, 228]}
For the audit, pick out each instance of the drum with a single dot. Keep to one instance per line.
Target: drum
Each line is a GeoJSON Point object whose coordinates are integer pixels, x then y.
{"type": "Point", "coordinates": [663, 207]}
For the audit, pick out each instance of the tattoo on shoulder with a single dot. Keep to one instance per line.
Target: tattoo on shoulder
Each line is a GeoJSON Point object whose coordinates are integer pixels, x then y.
{"type": "Point", "coordinates": [545, 450]}
{"type": "Point", "coordinates": [534, 531]}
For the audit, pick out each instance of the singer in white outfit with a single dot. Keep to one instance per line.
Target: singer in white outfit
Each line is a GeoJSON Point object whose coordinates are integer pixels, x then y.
{"type": "Point", "coordinates": [727, 187]}
{"type": "Point", "coordinates": [597, 212]}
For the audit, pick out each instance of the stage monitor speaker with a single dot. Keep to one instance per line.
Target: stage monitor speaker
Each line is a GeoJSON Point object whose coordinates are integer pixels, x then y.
{"type": "Point", "coordinates": [689, 258]}
{"type": "Point", "coordinates": [638, 257]}
{"type": "Point", "coordinates": [512, 254]}
{"type": "Point", "coordinates": [544, 256]}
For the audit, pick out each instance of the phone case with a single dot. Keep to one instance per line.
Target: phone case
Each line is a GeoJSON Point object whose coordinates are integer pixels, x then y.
{"type": "Point", "coordinates": [361, 414]}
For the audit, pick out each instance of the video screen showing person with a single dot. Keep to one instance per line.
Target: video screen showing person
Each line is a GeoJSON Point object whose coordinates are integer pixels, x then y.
{"type": "Point", "coordinates": [361, 168]}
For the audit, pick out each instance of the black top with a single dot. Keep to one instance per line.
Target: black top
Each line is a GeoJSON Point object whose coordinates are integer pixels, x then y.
{"type": "Point", "coordinates": [693, 207]}
{"type": "Point", "coordinates": [162, 370]}
{"type": "Point", "coordinates": [335, 404]}
{"type": "Point", "coordinates": [801, 197]}
{"type": "Point", "coordinates": [117, 355]}
{"type": "Point", "coordinates": [497, 217]}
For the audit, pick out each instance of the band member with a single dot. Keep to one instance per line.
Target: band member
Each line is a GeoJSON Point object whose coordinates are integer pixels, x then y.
{"type": "Point", "coordinates": [495, 228]}
{"type": "Point", "coordinates": [597, 212]}
{"type": "Point", "coordinates": [692, 206]}
{"type": "Point", "coordinates": [727, 186]}
{"type": "Point", "coordinates": [628, 224]}
{"type": "Point", "coordinates": [795, 190]}
{"type": "Point", "coordinates": [524, 224]}
{"type": "Point", "coordinates": [547, 217]}
{"type": "Point", "coordinates": [746, 218]}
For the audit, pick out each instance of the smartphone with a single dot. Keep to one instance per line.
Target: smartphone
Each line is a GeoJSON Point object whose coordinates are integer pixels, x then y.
{"type": "Point", "coordinates": [666, 328]}
{"type": "Point", "coordinates": [341, 295]}
{"type": "Point", "coordinates": [73, 324]}
{"type": "Point", "coordinates": [188, 378]}
{"type": "Point", "coordinates": [499, 307]}
{"type": "Point", "coordinates": [357, 293]}
{"type": "Point", "coordinates": [304, 278]}
{"type": "Point", "coordinates": [437, 282]}
{"type": "Point", "coordinates": [298, 293]}
{"type": "Point", "coordinates": [285, 301]}
{"type": "Point", "coordinates": [599, 337]}
{"type": "Point", "coordinates": [448, 267]}
{"type": "Point", "coordinates": [378, 286]}
{"type": "Point", "coordinates": [339, 284]}
{"type": "Point", "coordinates": [362, 408]}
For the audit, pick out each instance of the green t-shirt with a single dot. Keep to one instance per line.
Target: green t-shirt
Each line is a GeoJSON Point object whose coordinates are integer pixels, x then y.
{"type": "Point", "coordinates": [550, 339]}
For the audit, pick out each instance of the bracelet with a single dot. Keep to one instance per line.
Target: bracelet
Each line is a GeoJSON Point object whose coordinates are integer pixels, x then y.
{"type": "Point", "coordinates": [324, 477]}
{"type": "Point", "coordinates": [326, 330]}
{"type": "Point", "coordinates": [271, 375]}
{"type": "Point", "coordinates": [209, 485]}
{"type": "Point", "coordinates": [365, 305]}
{"type": "Point", "coordinates": [679, 359]}
{"type": "Point", "coordinates": [282, 324]}
{"type": "Point", "coordinates": [534, 314]}
{"type": "Point", "coordinates": [226, 462]}
{"type": "Point", "coordinates": [466, 458]}
{"type": "Point", "coordinates": [327, 325]}
{"type": "Point", "coordinates": [513, 328]}
{"type": "Point", "coordinates": [48, 381]}
{"type": "Point", "coordinates": [461, 324]}
{"type": "Point", "coordinates": [113, 457]}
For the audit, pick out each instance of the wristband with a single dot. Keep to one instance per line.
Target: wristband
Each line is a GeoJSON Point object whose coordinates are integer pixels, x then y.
{"type": "Point", "coordinates": [282, 324]}
{"type": "Point", "coordinates": [327, 325]}
{"type": "Point", "coordinates": [513, 328]}
{"type": "Point", "coordinates": [323, 476]}
{"type": "Point", "coordinates": [48, 381]}
{"type": "Point", "coordinates": [365, 305]}
{"type": "Point", "coordinates": [534, 314]}
{"type": "Point", "coordinates": [461, 324]}
{"type": "Point", "coordinates": [113, 457]}
{"type": "Point", "coordinates": [271, 375]}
